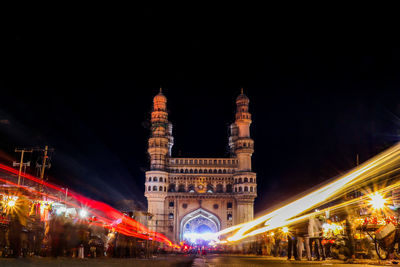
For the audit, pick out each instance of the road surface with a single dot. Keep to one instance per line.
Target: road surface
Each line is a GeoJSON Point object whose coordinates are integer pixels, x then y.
{"type": "Point", "coordinates": [182, 261]}
{"type": "Point", "coordinates": [161, 261]}
{"type": "Point", "coordinates": [239, 261]}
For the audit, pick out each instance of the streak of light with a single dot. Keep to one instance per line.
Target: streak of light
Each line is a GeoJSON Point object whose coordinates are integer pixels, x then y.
{"type": "Point", "coordinates": [281, 216]}
{"type": "Point", "coordinates": [104, 212]}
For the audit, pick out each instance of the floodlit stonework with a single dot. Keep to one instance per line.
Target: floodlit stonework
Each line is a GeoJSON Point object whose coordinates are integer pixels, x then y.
{"type": "Point", "coordinates": [187, 195]}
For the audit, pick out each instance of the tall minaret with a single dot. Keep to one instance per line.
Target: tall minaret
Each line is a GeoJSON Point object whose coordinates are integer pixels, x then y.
{"type": "Point", "coordinates": [161, 140]}
{"type": "Point", "coordinates": [240, 142]}
{"type": "Point", "coordinates": [242, 147]}
{"type": "Point", "coordinates": [159, 149]}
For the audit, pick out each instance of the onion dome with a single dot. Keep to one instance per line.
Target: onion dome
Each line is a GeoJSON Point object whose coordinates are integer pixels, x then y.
{"type": "Point", "coordinates": [160, 101]}
{"type": "Point", "coordinates": [242, 98]}
{"type": "Point", "coordinates": [160, 97]}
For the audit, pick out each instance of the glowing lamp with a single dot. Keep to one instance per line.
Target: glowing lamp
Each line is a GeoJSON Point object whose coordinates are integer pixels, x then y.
{"type": "Point", "coordinates": [83, 213]}
{"type": "Point", "coordinates": [11, 203]}
{"type": "Point", "coordinates": [377, 201]}
{"type": "Point", "coordinates": [285, 230]}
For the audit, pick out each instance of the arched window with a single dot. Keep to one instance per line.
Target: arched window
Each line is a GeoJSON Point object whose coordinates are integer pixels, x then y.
{"type": "Point", "coordinates": [215, 161]}
{"type": "Point", "coordinates": [195, 161]}
{"type": "Point", "coordinates": [236, 189]}
{"type": "Point", "coordinates": [181, 170]}
{"type": "Point", "coordinates": [160, 189]}
{"type": "Point", "coordinates": [191, 171]}
{"type": "Point", "coordinates": [201, 161]}
{"type": "Point", "coordinates": [171, 215]}
{"type": "Point", "coordinates": [224, 171]}
{"type": "Point", "coordinates": [229, 217]}
{"type": "Point", "coordinates": [149, 188]}
{"type": "Point", "coordinates": [165, 189]}
{"type": "Point", "coordinates": [149, 179]}
{"type": "Point", "coordinates": [210, 188]}
{"type": "Point", "coordinates": [251, 189]}
{"type": "Point", "coordinates": [171, 188]}
{"type": "Point", "coordinates": [195, 170]}
{"type": "Point", "coordinates": [240, 189]}
{"type": "Point", "coordinates": [171, 204]}
{"type": "Point", "coordinates": [219, 171]}
{"type": "Point", "coordinates": [229, 188]}
{"type": "Point", "coordinates": [161, 179]}
{"type": "Point", "coordinates": [246, 180]}
{"type": "Point", "coordinates": [181, 188]}
{"type": "Point", "coordinates": [154, 188]}
{"type": "Point", "coordinates": [186, 171]}
{"type": "Point", "coordinates": [240, 180]}
{"type": "Point", "coordinates": [215, 170]}
{"type": "Point", "coordinates": [219, 188]}
{"type": "Point", "coordinates": [191, 188]}
{"type": "Point", "coordinates": [205, 171]}
{"type": "Point", "coordinates": [200, 171]}
{"type": "Point", "coordinates": [246, 189]}
{"type": "Point", "coordinates": [251, 180]}
{"type": "Point", "coordinates": [155, 179]}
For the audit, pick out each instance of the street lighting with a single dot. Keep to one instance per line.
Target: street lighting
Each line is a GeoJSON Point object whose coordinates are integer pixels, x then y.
{"type": "Point", "coordinates": [11, 203]}
{"type": "Point", "coordinates": [377, 201]}
{"type": "Point", "coordinates": [83, 213]}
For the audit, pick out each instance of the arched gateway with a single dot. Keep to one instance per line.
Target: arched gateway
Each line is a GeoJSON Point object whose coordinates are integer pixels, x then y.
{"type": "Point", "coordinates": [199, 221]}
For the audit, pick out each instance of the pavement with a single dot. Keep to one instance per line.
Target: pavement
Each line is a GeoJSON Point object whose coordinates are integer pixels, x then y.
{"type": "Point", "coordinates": [179, 260]}
{"type": "Point", "coordinates": [160, 261]}
{"type": "Point", "coordinates": [244, 260]}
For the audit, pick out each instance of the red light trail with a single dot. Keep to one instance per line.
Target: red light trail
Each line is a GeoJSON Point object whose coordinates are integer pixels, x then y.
{"type": "Point", "coordinates": [105, 213]}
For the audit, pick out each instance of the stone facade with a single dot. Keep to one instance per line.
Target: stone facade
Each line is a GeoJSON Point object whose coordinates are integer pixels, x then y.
{"type": "Point", "coordinates": [187, 195]}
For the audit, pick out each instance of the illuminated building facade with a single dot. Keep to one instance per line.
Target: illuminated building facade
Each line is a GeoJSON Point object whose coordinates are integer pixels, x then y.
{"type": "Point", "coordinates": [199, 195]}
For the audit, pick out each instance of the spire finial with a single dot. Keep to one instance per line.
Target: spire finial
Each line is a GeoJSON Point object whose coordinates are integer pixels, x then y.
{"type": "Point", "coordinates": [160, 90]}
{"type": "Point", "coordinates": [241, 90]}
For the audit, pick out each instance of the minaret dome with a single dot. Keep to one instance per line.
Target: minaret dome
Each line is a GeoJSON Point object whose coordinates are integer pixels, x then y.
{"type": "Point", "coordinates": [160, 101]}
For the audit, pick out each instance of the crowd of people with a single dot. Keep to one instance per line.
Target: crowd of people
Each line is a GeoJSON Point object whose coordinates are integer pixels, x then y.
{"type": "Point", "coordinates": [305, 241]}
{"type": "Point", "coordinates": [24, 232]}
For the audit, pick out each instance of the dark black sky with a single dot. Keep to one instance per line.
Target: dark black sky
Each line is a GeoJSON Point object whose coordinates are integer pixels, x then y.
{"type": "Point", "coordinates": [320, 93]}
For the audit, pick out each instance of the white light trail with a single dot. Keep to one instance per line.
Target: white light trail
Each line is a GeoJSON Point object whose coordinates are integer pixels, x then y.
{"type": "Point", "coordinates": [281, 216]}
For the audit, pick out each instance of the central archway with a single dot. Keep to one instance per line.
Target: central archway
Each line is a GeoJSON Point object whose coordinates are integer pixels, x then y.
{"type": "Point", "coordinates": [199, 221]}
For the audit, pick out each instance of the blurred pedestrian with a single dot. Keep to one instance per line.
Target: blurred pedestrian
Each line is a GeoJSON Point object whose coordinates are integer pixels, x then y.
{"type": "Point", "coordinates": [314, 235]}
{"type": "Point", "coordinates": [292, 245]}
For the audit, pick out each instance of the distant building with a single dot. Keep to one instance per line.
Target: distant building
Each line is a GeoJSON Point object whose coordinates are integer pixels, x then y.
{"type": "Point", "coordinates": [187, 195]}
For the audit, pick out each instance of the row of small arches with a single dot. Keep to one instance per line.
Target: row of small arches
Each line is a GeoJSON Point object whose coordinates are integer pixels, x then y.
{"type": "Point", "coordinates": [246, 145]}
{"type": "Point", "coordinates": [204, 161]}
{"type": "Point", "coordinates": [155, 179]}
{"type": "Point", "coordinates": [243, 116]}
{"type": "Point", "coordinates": [245, 189]}
{"type": "Point", "coordinates": [221, 171]}
{"type": "Point", "coordinates": [237, 180]}
{"type": "Point", "coordinates": [245, 180]}
{"type": "Point", "coordinates": [155, 188]}
{"type": "Point", "coordinates": [209, 189]}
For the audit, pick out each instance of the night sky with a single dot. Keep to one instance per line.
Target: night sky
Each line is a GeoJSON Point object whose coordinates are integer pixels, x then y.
{"type": "Point", "coordinates": [86, 90]}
